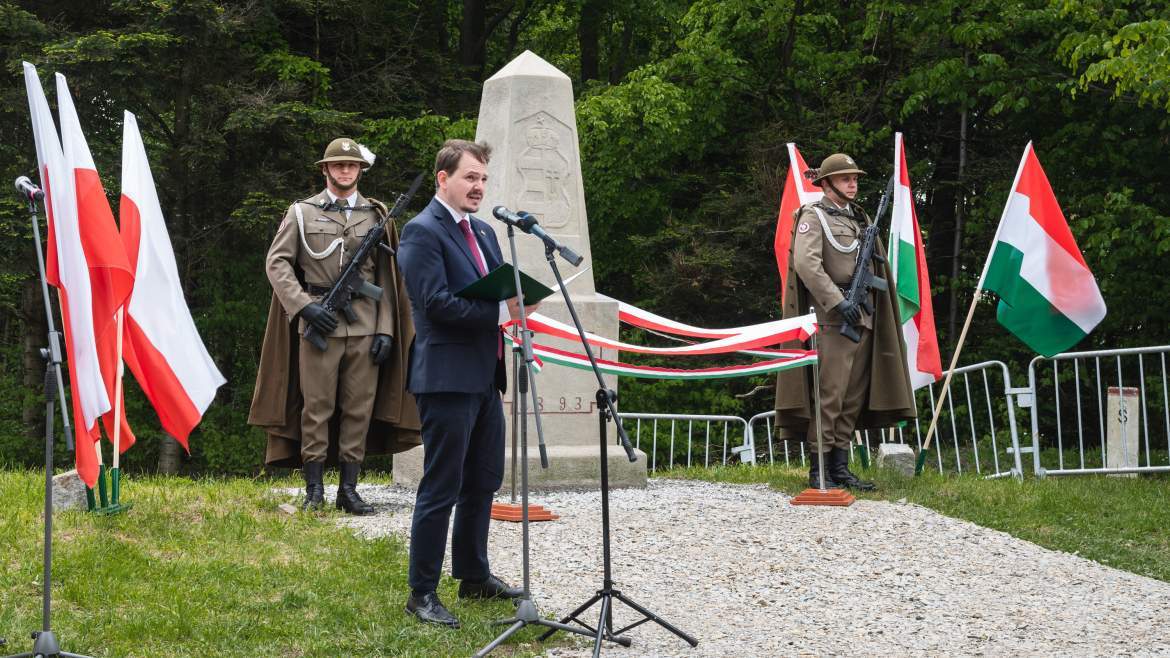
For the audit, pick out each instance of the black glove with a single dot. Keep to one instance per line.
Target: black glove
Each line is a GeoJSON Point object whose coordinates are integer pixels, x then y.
{"type": "Point", "coordinates": [321, 319]}
{"type": "Point", "coordinates": [380, 349]}
{"type": "Point", "coordinates": [850, 311]}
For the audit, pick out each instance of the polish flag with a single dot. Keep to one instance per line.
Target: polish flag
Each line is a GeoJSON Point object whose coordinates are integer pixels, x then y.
{"type": "Point", "coordinates": [162, 345]}
{"type": "Point", "coordinates": [798, 191]}
{"type": "Point", "coordinates": [110, 276]}
{"type": "Point", "coordinates": [908, 264]}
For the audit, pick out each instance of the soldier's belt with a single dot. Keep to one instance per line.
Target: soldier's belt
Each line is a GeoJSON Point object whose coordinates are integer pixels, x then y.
{"type": "Point", "coordinates": [323, 290]}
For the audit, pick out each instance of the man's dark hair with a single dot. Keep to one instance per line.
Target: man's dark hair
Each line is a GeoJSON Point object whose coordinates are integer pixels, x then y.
{"type": "Point", "coordinates": [452, 151]}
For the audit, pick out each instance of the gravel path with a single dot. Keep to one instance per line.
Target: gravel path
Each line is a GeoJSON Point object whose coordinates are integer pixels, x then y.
{"type": "Point", "coordinates": [748, 574]}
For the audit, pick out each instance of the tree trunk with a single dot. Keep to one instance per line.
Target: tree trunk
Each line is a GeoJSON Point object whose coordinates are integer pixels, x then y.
{"type": "Point", "coordinates": [471, 38]}
{"type": "Point", "coordinates": [960, 203]}
{"type": "Point", "coordinates": [169, 455]}
{"type": "Point", "coordinates": [587, 39]}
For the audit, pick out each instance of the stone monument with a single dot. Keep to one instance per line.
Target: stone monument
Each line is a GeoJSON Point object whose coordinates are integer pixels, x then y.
{"type": "Point", "coordinates": [526, 115]}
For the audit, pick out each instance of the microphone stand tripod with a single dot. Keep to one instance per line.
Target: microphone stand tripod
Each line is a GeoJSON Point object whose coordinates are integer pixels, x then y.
{"type": "Point", "coordinates": [606, 412]}
{"type": "Point", "coordinates": [526, 611]}
{"type": "Point", "coordinates": [44, 642]}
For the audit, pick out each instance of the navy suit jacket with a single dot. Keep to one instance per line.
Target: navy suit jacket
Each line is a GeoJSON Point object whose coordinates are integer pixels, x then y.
{"type": "Point", "coordinates": [455, 339]}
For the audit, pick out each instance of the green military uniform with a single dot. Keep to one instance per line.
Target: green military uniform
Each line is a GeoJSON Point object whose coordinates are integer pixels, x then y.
{"type": "Point", "coordinates": [863, 384]}
{"type": "Point", "coordinates": [305, 396]}
{"type": "Point", "coordinates": [315, 240]}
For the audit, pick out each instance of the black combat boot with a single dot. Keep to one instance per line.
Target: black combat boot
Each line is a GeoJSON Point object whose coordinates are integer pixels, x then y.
{"type": "Point", "coordinates": [314, 486]}
{"type": "Point", "coordinates": [814, 472]}
{"type": "Point", "coordinates": [839, 471]}
{"type": "Point", "coordinates": [347, 495]}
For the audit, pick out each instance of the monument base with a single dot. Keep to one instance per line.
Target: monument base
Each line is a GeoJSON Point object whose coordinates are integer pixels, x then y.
{"type": "Point", "coordinates": [569, 468]}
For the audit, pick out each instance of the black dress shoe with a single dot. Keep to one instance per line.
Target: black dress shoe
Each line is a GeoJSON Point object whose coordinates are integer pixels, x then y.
{"type": "Point", "coordinates": [492, 588]}
{"type": "Point", "coordinates": [429, 610]}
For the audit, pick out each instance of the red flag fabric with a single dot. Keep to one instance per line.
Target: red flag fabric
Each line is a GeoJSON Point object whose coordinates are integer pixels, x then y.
{"type": "Point", "coordinates": [66, 270]}
{"type": "Point", "coordinates": [110, 276]}
{"type": "Point", "coordinates": [162, 345]}
{"type": "Point", "coordinates": [798, 191]}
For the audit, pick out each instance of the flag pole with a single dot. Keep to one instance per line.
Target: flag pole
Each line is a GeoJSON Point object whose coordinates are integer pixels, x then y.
{"type": "Point", "coordinates": [119, 410]}
{"type": "Point", "coordinates": [967, 323]}
{"type": "Point", "coordinates": [946, 385]}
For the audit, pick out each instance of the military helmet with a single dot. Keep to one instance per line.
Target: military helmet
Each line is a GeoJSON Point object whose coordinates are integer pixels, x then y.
{"type": "Point", "coordinates": [344, 149]}
{"type": "Point", "coordinates": [838, 163]}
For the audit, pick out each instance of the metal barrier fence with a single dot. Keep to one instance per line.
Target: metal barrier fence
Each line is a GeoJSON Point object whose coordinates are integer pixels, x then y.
{"type": "Point", "coordinates": [1076, 426]}
{"type": "Point", "coordinates": [976, 432]}
{"type": "Point", "coordinates": [676, 447]}
{"type": "Point", "coordinates": [1105, 411]}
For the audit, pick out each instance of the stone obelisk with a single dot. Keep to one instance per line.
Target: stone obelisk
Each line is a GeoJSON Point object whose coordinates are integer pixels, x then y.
{"type": "Point", "coordinates": [527, 116]}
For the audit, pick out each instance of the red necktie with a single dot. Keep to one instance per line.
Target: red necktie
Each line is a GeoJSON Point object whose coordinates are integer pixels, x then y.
{"type": "Point", "coordinates": [473, 246]}
{"type": "Point", "coordinates": [476, 256]}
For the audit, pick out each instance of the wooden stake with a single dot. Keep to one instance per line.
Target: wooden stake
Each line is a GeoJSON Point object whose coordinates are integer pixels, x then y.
{"type": "Point", "coordinates": [950, 372]}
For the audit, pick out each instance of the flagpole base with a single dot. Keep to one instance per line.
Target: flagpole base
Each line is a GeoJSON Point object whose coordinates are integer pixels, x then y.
{"type": "Point", "coordinates": [921, 462]}
{"type": "Point", "coordinates": [824, 497]}
{"type": "Point", "coordinates": [514, 512]}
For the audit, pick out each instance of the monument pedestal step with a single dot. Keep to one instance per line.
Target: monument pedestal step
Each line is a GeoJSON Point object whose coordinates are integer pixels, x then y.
{"type": "Point", "coordinates": [570, 467]}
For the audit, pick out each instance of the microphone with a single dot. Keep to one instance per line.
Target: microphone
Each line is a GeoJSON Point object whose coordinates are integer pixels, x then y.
{"type": "Point", "coordinates": [507, 216]}
{"type": "Point", "coordinates": [527, 223]}
{"type": "Point", "coordinates": [28, 189]}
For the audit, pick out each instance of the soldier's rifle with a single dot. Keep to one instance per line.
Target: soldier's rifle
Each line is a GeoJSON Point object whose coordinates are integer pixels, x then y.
{"type": "Point", "coordinates": [864, 279]}
{"type": "Point", "coordinates": [350, 282]}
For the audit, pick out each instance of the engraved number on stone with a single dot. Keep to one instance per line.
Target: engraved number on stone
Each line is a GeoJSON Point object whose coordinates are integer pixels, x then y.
{"type": "Point", "coordinates": [1123, 413]}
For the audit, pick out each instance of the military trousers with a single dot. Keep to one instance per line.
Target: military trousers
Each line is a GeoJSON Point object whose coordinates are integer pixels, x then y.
{"type": "Point", "coordinates": [844, 374]}
{"type": "Point", "coordinates": [342, 377]}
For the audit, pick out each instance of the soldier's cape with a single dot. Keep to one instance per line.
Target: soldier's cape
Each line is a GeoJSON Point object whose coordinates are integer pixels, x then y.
{"type": "Point", "coordinates": [277, 401]}
{"type": "Point", "coordinates": [890, 398]}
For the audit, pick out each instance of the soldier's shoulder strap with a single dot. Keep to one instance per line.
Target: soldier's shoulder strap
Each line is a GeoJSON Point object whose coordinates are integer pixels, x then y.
{"type": "Point", "coordinates": [379, 207]}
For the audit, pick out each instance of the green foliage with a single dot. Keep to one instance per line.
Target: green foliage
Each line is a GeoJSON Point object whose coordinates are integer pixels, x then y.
{"type": "Point", "coordinates": [683, 127]}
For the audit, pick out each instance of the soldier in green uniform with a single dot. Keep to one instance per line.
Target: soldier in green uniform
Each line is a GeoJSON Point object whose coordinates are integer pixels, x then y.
{"type": "Point", "coordinates": [863, 384]}
{"type": "Point", "coordinates": [338, 385]}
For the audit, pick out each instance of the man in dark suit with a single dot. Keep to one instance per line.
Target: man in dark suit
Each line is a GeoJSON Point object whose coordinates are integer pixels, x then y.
{"type": "Point", "coordinates": [457, 375]}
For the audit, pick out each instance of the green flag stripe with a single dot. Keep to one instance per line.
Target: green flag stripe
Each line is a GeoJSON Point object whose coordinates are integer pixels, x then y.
{"type": "Point", "coordinates": [907, 280]}
{"type": "Point", "coordinates": [1023, 310]}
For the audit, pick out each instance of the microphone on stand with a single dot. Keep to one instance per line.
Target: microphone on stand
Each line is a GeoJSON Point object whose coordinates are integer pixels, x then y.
{"type": "Point", "coordinates": [527, 223]}
{"type": "Point", "coordinates": [29, 190]}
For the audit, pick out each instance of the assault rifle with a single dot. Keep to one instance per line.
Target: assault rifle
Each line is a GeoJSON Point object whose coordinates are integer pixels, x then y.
{"type": "Point", "coordinates": [863, 279]}
{"type": "Point", "coordinates": [350, 282]}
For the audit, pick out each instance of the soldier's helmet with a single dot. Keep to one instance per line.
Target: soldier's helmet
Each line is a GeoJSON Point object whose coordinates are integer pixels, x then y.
{"type": "Point", "coordinates": [344, 149]}
{"type": "Point", "coordinates": [838, 163]}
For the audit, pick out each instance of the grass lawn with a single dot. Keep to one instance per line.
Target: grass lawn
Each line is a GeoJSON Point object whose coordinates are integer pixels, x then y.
{"type": "Point", "coordinates": [212, 568]}
{"type": "Point", "coordinates": [1121, 522]}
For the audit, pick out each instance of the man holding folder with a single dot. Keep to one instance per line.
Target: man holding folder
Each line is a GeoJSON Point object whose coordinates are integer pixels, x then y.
{"type": "Point", "coordinates": [457, 375]}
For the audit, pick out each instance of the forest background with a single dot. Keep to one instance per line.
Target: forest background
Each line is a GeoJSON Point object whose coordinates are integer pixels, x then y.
{"type": "Point", "coordinates": [683, 109]}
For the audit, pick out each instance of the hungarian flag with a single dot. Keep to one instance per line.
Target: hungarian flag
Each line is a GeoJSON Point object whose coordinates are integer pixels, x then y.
{"type": "Point", "coordinates": [110, 276]}
{"type": "Point", "coordinates": [1048, 297]}
{"type": "Point", "coordinates": [162, 345]}
{"type": "Point", "coordinates": [908, 263]}
{"type": "Point", "coordinates": [798, 191]}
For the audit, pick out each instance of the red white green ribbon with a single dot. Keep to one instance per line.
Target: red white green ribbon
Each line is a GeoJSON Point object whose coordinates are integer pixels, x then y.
{"type": "Point", "coordinates": [746, 338]}
{"type": "Point", "coordinates": [792, 359]}
{"type": "Point", "coordinates": [634, 316]}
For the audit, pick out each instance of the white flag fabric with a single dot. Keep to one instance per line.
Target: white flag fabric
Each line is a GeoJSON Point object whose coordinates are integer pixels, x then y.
{"type": "Point", "coordinates": [908, 264]}
{"type": "Point", "coordinates": [163, 347]}
{"type": "Point", "coordinates": [110, 277]}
